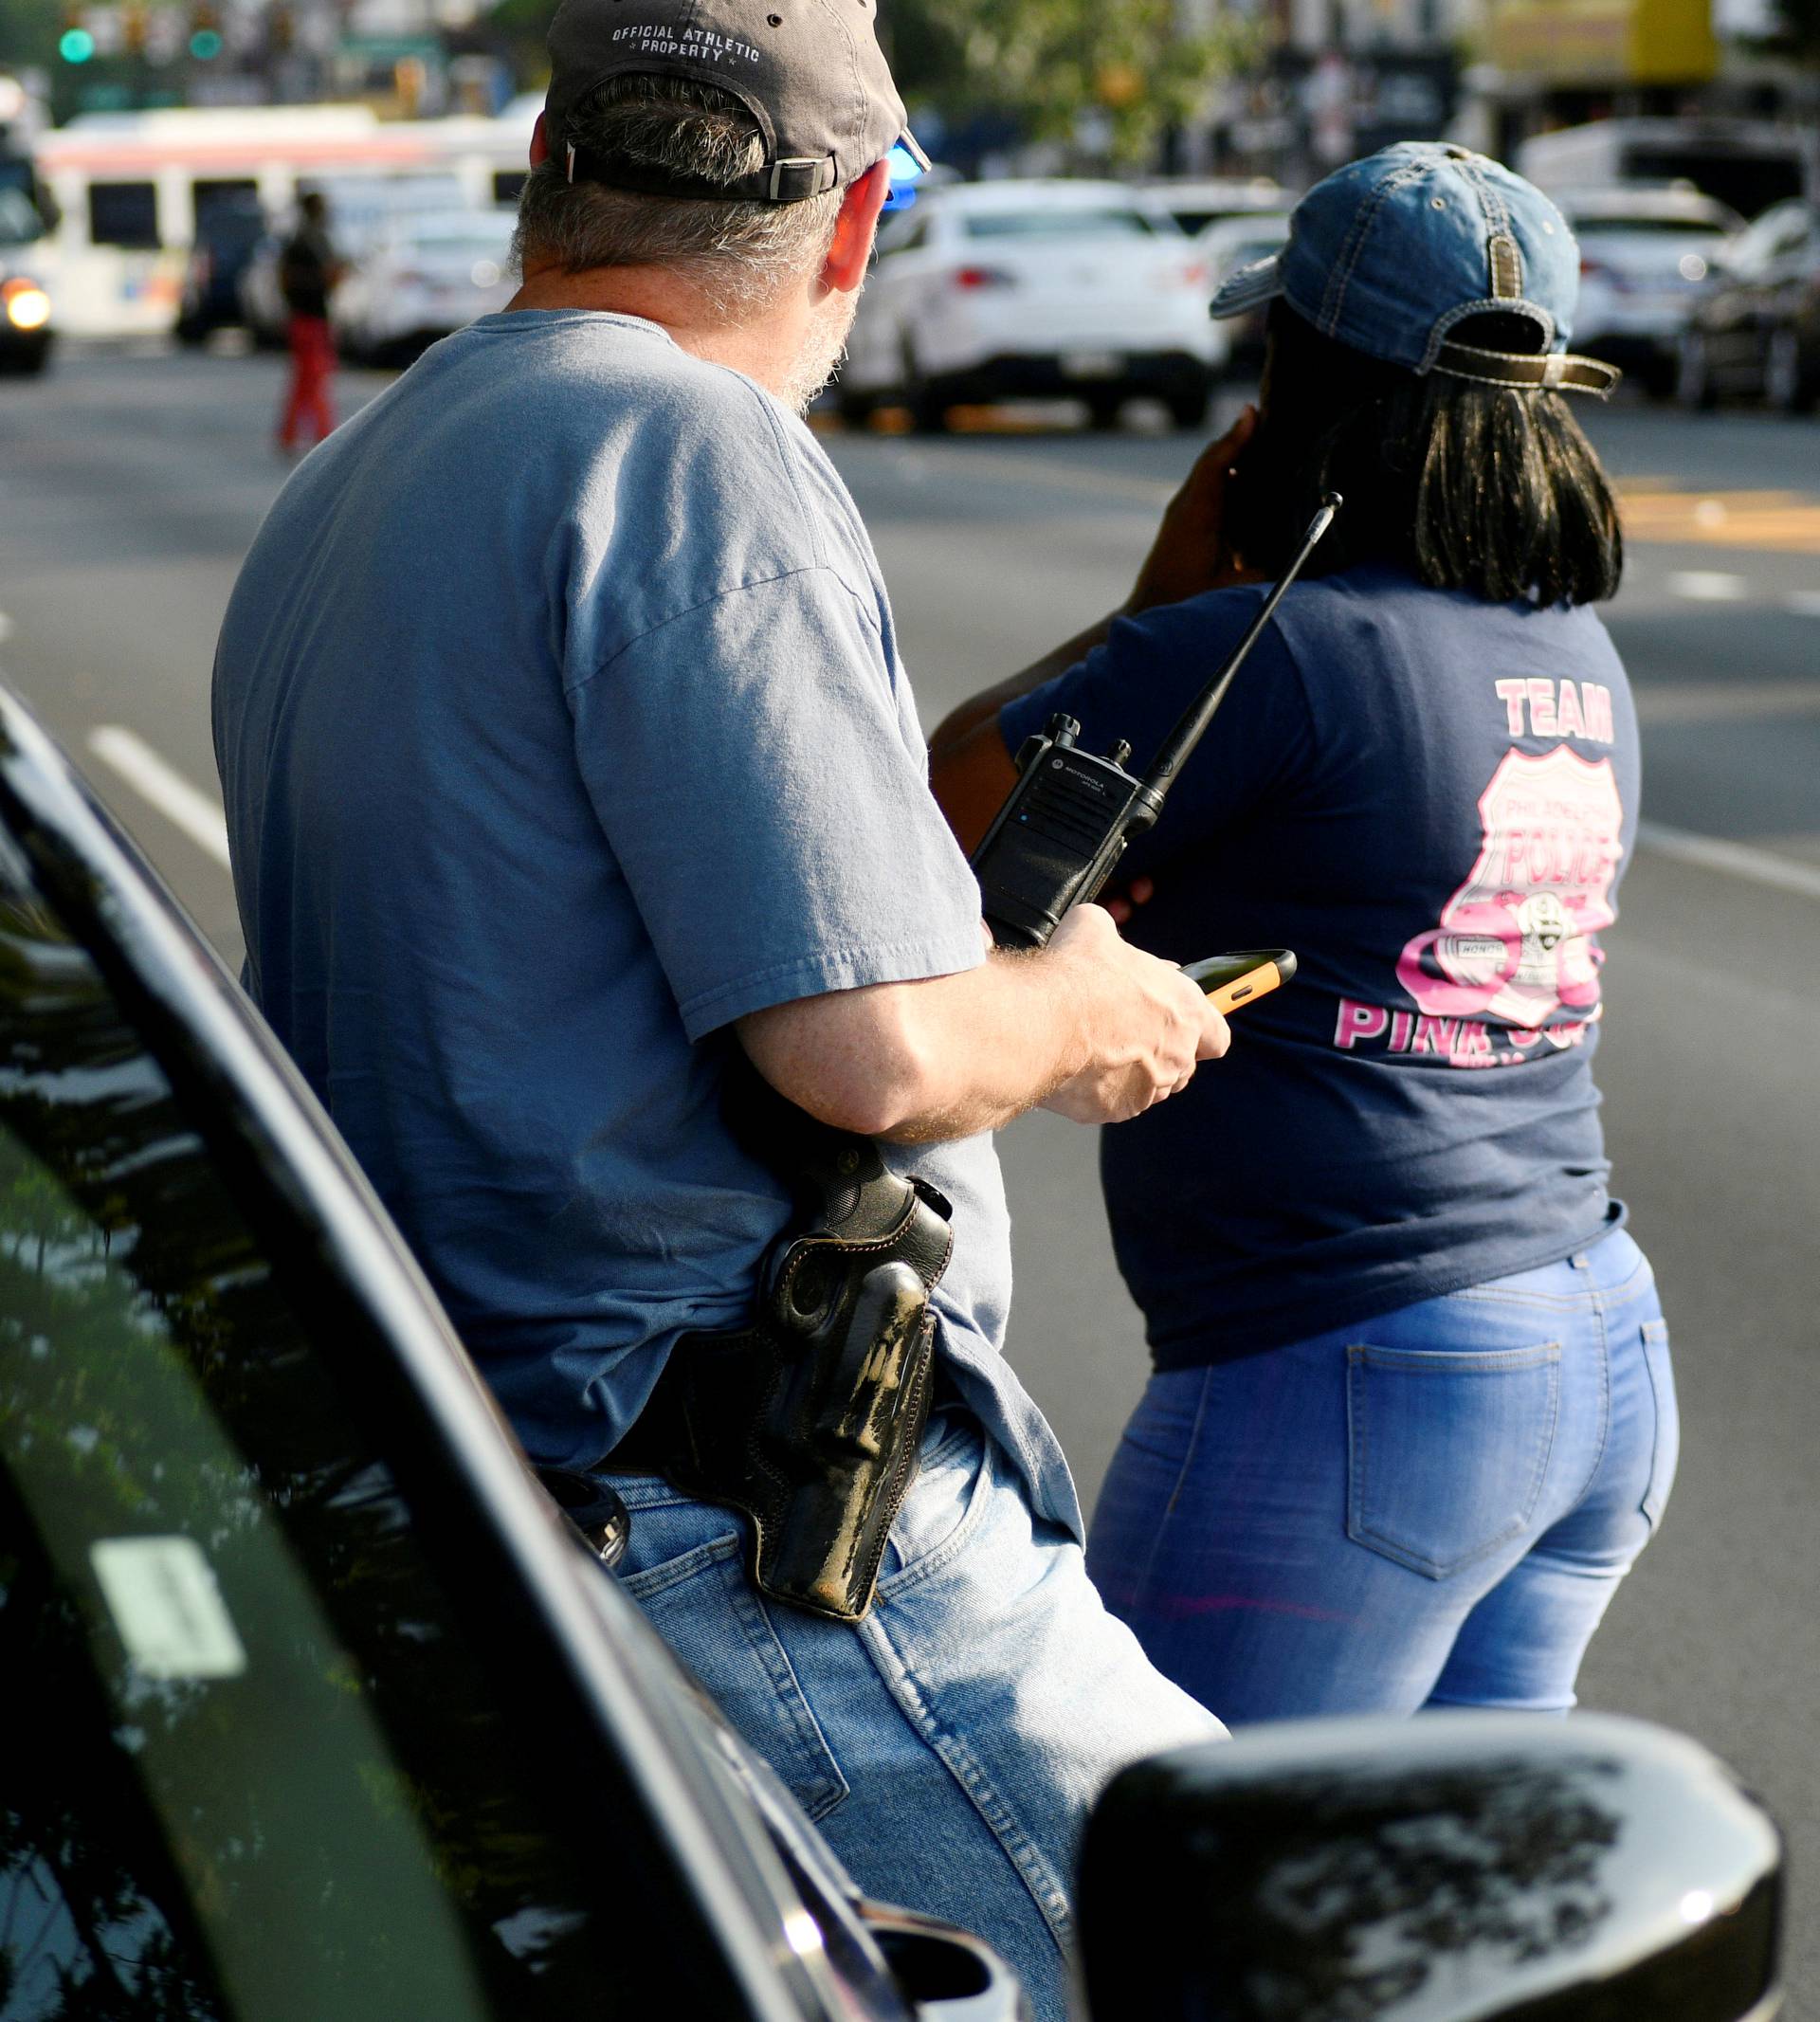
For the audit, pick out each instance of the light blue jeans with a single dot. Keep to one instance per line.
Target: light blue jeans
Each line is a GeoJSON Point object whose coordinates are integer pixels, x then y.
{"type": "Point", "coordinates": [950, 1746]}
{"type": "Point", "coordinates": [1429, 1508]}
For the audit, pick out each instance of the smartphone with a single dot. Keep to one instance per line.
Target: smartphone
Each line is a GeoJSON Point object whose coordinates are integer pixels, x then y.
{"type": "Point", "coordinates": [1233, 980]}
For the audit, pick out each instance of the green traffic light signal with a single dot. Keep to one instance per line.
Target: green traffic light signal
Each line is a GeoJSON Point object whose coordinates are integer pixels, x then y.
{"type": "Point", "coordinates": [76, 46]}
{"type": "Point", "coordinates": [205, 43]}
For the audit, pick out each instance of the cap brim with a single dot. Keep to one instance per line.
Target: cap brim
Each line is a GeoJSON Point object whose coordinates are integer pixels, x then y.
{"type": "Point", "coordinates": [1248, 287]}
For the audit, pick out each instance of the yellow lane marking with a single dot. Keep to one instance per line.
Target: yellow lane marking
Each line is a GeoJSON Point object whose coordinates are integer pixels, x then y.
{"type": "Point", "coordinates": [1787, 520]}
{"type": "Point", "coordinates": [1654, 509]}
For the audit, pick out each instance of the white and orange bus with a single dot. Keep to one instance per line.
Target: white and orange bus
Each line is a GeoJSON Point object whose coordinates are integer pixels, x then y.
{"type": "Point", "coordinates": [129, 188]}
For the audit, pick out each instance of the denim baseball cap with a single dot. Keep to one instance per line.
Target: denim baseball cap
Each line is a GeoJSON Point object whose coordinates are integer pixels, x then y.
{"type": "Point", "coordinates": [809, 72]}
{"type": "Point", "coordinates": [1388, 254]}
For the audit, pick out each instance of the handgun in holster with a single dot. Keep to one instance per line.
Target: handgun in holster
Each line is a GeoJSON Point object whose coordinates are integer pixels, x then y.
{"type": "Point", "coordinates": [809, 1418]}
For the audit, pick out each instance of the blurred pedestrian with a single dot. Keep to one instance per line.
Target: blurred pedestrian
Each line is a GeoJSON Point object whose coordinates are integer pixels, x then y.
{"type": "Point", "coordinates": [308, 271]}
{"type": "Point", "coordinates": [1412, 1417]}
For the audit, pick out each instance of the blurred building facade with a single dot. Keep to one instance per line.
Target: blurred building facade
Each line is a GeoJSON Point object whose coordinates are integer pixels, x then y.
{"type": "Point", "coordinates": [407, 59]}
{"type": "Point", "coordinates": [1335, 78]}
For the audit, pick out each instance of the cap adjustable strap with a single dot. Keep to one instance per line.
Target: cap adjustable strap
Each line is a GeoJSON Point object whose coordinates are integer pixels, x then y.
{"type": "Point", "coordinates": [1506, 267]}
{"type": "Point", "coordinates": [792, 180]}
{"type": "Point", "coordinates": [1551, 371]}
{"type": "Point", "coordinates": [798, 177]}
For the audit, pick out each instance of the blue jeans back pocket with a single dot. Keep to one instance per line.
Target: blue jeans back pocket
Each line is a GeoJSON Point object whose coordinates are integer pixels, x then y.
{"type": "Point", "coordinates": [1446, 1451]}
{"type": "Point", "coordinates": [1668, 1444]}
{"type": "Point", "coordinates": [708, 1612]}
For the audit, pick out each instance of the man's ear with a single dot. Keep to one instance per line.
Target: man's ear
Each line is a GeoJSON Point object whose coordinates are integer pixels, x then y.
{"type": "Point", "coordinates": [539, 144]}
{"type": "Point", "coordinates": [851, 247]}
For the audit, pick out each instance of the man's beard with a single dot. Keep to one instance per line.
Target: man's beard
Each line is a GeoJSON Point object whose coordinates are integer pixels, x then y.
{"type": "Point", "coordinates": [824, 346]}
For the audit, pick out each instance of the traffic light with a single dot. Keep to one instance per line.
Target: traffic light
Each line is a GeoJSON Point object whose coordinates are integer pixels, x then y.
{"type": "Point", "coordinates": [281, 30]}
{"type": "Point", "coordinates": [76, 45]}
{"type": "Point", "coordinates": [205, 33]}
{"type": "Point", "coordinates": [133, 28]}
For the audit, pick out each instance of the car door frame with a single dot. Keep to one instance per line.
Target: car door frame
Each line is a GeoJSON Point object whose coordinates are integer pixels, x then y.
{"type": "Point", "coordinates": [603, 1682]}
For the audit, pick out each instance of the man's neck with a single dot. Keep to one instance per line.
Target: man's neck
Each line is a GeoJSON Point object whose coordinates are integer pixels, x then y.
{"type": "Point", "coordinates": [761, 349]}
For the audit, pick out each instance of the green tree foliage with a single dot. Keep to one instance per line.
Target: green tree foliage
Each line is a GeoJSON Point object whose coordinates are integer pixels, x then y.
{"type": "Point", "coordinates": [1042, 64]}
{"type": "Point", "coordinates": [1059, 66]}
{"type": "Point", "coordinates": [28, 32]}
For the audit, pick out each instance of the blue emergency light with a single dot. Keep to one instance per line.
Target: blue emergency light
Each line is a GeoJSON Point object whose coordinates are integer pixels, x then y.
{"type": "Point", "coordinates": [906, 164]}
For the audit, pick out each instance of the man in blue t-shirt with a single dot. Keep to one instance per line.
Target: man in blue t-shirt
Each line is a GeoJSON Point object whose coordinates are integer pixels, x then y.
{"type": "Point", "coordinates": [567, 755]}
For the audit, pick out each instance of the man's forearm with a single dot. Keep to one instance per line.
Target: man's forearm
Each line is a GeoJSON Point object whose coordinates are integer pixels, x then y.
{"type": "Point", "coordinates": [945, 1057]}
{"type": "Point", "coordinates": [1089, 1025]}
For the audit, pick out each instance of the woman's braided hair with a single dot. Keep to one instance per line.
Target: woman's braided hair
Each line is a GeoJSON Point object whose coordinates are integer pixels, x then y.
{"type": "Point", "coordinates": [1468, 486]}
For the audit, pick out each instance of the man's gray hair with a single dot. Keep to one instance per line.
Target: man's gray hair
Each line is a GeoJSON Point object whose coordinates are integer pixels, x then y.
{"type": "Point", "coordinates": [742, 254]}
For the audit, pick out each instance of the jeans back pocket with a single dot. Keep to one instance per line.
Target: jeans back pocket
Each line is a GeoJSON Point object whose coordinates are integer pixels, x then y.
{"type": "Point", "coordinates": [709, 1613]}
{"type": "Point", "coordinates": [1446, 1451]}
{"type": "Point", "coordinates": [1667, 1453]}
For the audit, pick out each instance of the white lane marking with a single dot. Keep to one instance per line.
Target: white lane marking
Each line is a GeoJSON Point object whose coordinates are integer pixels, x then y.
{"type": "Point", "coordinates": [1734, 860]}
{"type": "Point", "coordinates": [1726, 701]}
{"type": "Point", "coordinates": [155, 779]}
{"type": "Point", "coordinates": [1803, 603]}
{"type": "Point", "coordinates": [1708, 586]}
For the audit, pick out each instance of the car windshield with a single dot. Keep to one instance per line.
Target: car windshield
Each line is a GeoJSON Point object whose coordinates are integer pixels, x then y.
{"type": "Point", "coordinates": [367, 205]}
{"type": "Point", "coordinates": [1195, 218]}
{"type": "Point", "coordinates": [491, 243]}
{"type": "Point", "coordinates": [19, 221]}
{"type": "Point", "coordinates": [1081, 223]}
{"type": "Point", "coordinates": [276, 1769]}
{"type": "Point", "coordinates": [1635, 228]}
{"type": "Point", "coordinates": [1253, 249]}
{"type": "Point", "coordinates": [232, 228]}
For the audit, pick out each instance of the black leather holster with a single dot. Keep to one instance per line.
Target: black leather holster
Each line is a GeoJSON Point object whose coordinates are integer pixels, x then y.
{"type": "Point", "coordinates": [809, 1419]}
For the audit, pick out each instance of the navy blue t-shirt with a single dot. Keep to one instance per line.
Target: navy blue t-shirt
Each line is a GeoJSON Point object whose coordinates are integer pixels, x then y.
{"type": "Point", "coordinates": [1430, 799]}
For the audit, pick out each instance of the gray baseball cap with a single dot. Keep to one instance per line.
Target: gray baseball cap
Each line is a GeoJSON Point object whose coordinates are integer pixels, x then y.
{"type": "Point", "coordinates": [1389, 253]}
{"type": "Point", "coordinates": [811, 72]}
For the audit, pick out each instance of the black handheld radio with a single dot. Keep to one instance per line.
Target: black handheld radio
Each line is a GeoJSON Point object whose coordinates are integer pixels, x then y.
{"type": "Point", "coordinates": [1066, 822]}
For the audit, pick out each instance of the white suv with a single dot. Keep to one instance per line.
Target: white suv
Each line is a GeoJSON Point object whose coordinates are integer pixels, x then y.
{"type": "Point", "coordinates": [994, 291]}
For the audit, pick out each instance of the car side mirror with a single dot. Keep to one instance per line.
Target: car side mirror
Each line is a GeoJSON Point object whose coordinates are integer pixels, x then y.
{"type": "Point", "coordinates": [1456, 1866]}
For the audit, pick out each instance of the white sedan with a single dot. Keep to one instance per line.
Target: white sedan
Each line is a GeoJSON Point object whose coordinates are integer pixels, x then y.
{"type": "Point", "coordinates": [992, 291]}
{"type": "Point", "coordinates": [1645, 250]}
{"type": "Point", "coordinates": [423, 275]}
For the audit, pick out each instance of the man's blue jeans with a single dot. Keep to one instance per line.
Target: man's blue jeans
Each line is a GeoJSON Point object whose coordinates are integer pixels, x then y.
{"type": "Point", "coordinates": [1429, 1508]}
{"type": "Point", "coordinates": [950, 1745]}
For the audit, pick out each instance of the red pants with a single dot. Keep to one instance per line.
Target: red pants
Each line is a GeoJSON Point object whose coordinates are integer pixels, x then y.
{"type": "Point", "coordinates": [312, 363]}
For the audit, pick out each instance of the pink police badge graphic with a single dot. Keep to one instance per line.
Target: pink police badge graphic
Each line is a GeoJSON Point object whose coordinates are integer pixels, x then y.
{"type": "Point", "coordinates": [1516, 941]}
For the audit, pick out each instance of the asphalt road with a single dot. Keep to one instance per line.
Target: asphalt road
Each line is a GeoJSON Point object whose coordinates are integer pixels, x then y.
{"type": "Point", "coordinates": [133, 483]}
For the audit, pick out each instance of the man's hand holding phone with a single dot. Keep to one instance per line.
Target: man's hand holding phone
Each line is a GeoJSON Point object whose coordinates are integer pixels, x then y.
{"type": "Point", "coordinates": [1144, 1025]}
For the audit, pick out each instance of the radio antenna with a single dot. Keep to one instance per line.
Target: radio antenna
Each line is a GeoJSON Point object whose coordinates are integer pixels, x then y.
{"type": "Point", "coordinates": [1200, 712]}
